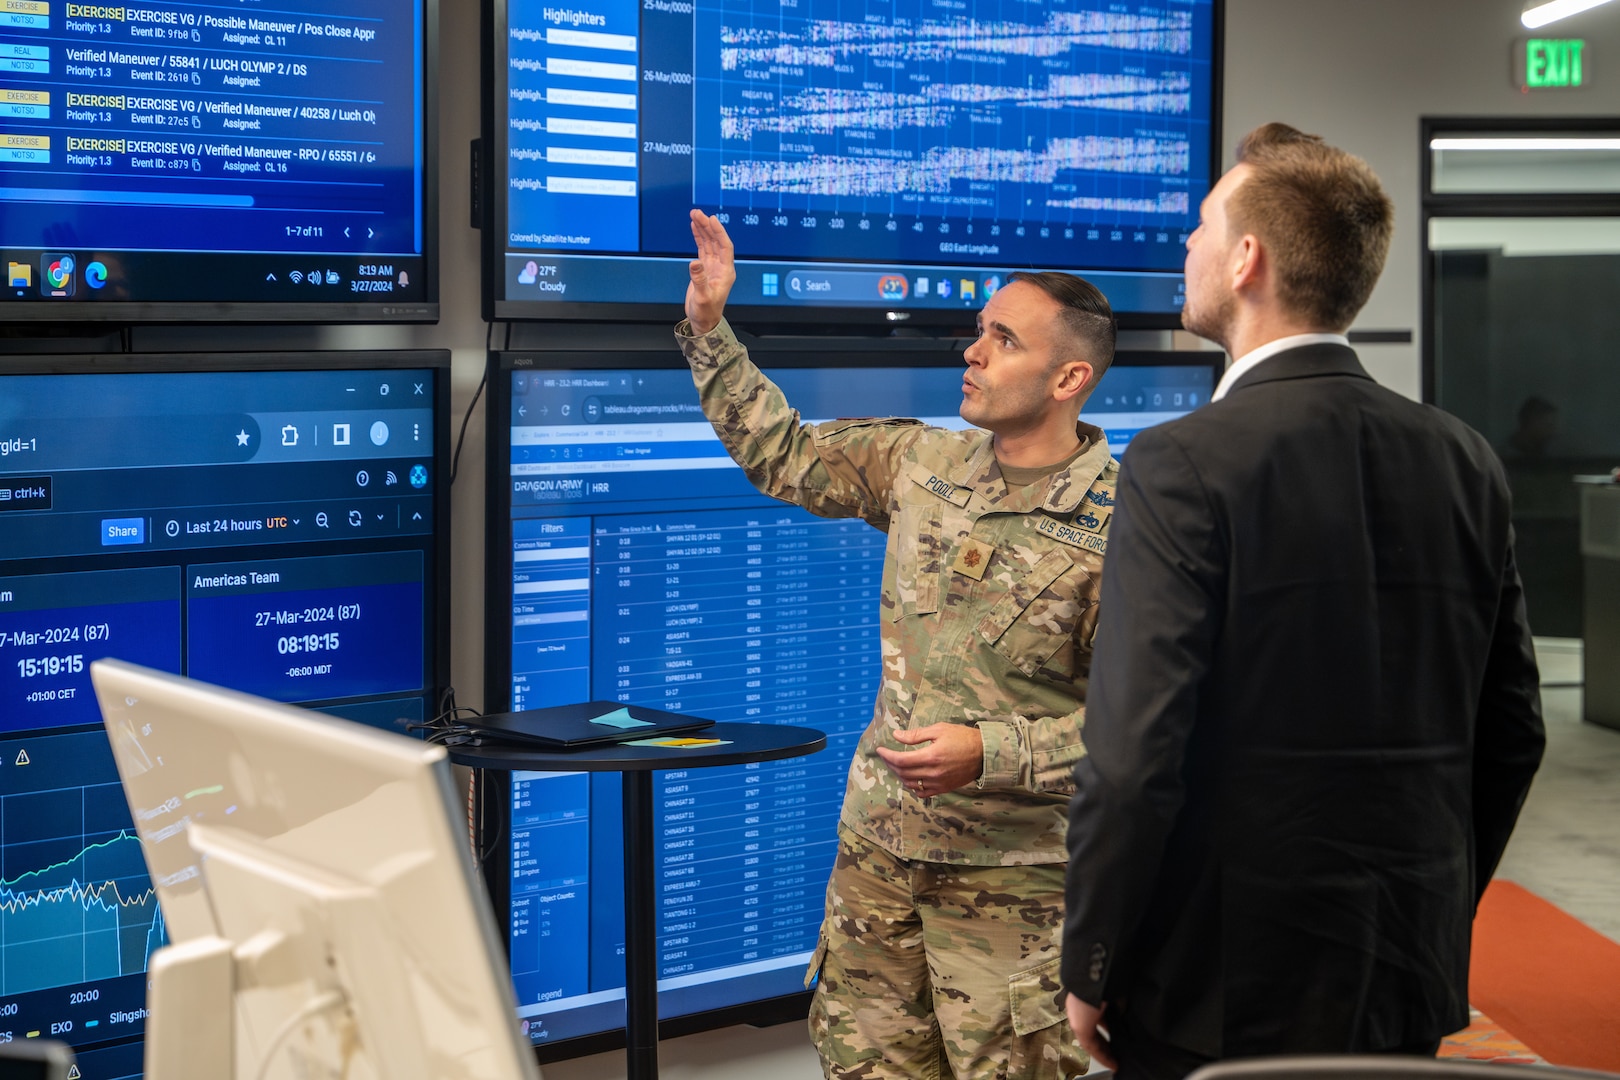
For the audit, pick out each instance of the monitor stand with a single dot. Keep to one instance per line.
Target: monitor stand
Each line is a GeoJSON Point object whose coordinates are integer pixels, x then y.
{"type": "Point", "coordinates": [304, 968]}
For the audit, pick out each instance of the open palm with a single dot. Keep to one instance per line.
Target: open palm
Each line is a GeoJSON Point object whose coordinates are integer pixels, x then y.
{"type": "Point", "coordinates": [714, 271]}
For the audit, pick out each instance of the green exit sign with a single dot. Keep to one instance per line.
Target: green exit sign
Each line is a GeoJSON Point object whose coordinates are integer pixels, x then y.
{"type": "Point", "coordinates": [1550, 63]}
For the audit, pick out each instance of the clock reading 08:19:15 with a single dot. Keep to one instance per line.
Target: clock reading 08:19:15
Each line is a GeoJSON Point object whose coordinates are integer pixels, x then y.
{"type": "Point", "coordinates": [307, 643]}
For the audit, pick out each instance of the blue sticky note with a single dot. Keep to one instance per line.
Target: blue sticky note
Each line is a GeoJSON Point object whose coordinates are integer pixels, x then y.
{"type": "Point", "coordinates": [621, 719]}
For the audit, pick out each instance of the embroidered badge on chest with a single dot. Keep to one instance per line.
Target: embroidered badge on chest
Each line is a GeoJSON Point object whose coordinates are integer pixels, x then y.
{"type": "Point", "coordinates": [1092, 520]}
{"type": "Point", "coordinates": [972, 558]}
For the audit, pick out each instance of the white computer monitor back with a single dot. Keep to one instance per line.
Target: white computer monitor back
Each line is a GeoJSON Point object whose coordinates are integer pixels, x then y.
{"type": "Point", "coordinates": [312, 820]}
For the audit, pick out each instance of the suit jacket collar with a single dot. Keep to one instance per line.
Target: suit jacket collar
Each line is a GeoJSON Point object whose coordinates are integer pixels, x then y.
{"type": "Point", "coordinates": [1305, 362]}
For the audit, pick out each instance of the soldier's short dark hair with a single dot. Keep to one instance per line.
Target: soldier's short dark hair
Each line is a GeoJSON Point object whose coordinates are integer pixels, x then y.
{"type": "Point", "coordinates": [1323, 217]}
{"type": "Point", "coordinates": [1087, 318]}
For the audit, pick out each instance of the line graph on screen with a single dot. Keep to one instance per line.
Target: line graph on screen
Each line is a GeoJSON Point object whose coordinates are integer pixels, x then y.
{"type": "Point", "coordinates": [89, 918]}
{"type": "Point", "coordinates": [76, 905]}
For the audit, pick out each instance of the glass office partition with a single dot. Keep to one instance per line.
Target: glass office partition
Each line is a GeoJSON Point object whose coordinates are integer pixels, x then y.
{"type": "Point", "coordinates": [1521, 238]}
{"type": "Point", "coordinates": [1526, 338]}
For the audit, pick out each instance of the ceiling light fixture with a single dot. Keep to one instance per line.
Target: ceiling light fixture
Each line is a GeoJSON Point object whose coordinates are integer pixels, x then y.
{"type": "Point", "coordinates": [1553, 10]}
{"type": "Point", "coordinates": [1531, 144]}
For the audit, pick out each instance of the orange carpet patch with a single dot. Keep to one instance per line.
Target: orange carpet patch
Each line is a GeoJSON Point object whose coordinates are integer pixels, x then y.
{"type": "Point", "coordinates": [1548, 978]}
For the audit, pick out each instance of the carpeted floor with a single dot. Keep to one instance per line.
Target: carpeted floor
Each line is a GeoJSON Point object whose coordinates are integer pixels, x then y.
{"type": "Point", "coordinates": [1486, 1040]}
{"type": "Point", "coordinates": [1547, 978]}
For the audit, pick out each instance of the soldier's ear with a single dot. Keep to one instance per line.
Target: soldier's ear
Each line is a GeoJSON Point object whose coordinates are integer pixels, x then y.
{"type": "Point", "coordinates": [1074, 379]}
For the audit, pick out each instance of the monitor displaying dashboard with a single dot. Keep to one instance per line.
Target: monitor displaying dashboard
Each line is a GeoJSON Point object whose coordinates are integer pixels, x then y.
{"type": "Point", "coordinates": [883, 164]}
{"type": "Point", "coordinates": [275, 523]}
{"type": "Point", "coordinates": [188, 160]}
{"type": "Point", "coordinates": [630, 560]}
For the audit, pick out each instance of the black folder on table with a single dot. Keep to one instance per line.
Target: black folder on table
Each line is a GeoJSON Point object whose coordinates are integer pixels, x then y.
{"type": "Point", "coordinates": [590, 723]}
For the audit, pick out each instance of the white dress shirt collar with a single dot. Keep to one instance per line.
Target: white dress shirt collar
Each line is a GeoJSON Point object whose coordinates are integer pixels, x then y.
{"type": "Point", "coordinates": [1250, 359]}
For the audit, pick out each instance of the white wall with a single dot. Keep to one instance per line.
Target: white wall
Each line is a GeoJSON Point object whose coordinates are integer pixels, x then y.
{"type": "Point", "coordinates": [740, 1053]}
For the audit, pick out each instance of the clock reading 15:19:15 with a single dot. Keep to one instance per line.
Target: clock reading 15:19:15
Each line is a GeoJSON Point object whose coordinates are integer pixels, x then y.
{"type": "Point", "coordinates": [30, 667]}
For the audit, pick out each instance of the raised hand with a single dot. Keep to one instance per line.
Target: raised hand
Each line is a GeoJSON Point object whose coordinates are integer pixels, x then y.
{"type": "Point", "coordinates": [714, 271]}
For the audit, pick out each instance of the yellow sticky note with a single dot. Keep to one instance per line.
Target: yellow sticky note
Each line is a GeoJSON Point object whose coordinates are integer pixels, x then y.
{"type": "Point", "coordinates": [678, 742]}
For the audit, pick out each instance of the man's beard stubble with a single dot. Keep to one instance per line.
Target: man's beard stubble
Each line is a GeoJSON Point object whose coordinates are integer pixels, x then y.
{"type": "Point", "coordinates": [1211, 322]}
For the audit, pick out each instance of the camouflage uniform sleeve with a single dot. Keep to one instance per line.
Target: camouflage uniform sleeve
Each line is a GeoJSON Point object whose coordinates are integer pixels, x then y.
{"type": "Point", "coordinates": [845, 468]}
{"type": "Point", "coordinates": [1034, 755]}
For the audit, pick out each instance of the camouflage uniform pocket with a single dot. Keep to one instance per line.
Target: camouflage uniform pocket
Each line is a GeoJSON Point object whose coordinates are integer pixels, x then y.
{"type": "Point", "coordinates": [914, 589]}
{"type": "Point", "coordinates": [1033, 996]}
{"type": "Point", "coordinates": [1043, 1044]}
{"type": "Point", "coordinates": [1034, 625]}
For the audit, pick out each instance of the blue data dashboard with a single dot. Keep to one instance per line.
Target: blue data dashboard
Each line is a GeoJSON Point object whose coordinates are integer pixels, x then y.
{"type": "Point", "coordinates": [637, 564]}
{"type": "Point", "coordinates": [277, 531]}
{"type": "Point", "coordinates": [191, 152]}
{"type": "Point", "coordinates": [897, 156]}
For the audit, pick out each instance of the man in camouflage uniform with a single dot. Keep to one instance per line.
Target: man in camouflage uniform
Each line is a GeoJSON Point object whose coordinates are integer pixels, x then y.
{"type": "Point", "coordinates": [940, 949]}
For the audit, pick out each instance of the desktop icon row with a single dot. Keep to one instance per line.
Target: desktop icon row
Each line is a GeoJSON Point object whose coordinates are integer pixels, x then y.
{"type": "Point", "coordinates": [58, 274]}
{"type": "Point", "coordinates": [968, 290]}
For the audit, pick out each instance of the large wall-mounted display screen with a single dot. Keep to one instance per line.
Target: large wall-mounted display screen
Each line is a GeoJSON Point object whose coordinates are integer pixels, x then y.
{"type": "Point", "coordinates": [280, 528]}
{"type": "Point", "coordinates": [630, 560]}
{"type": "Point", "coordinates": [170, 160]}
{"type": "Point", "coordinates": [893, 162]}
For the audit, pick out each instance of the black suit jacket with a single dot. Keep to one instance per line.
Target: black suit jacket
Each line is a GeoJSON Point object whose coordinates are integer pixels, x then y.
{"type": "Point", "coordinates": [1312, 720]}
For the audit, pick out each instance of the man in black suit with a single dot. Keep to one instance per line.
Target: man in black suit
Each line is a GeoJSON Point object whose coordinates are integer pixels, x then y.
{"type": "Point", "coordinates": [1314, 711]}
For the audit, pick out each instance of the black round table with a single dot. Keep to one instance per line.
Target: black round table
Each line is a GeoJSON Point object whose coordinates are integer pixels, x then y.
{"type": "Point", "coordinates": [742, 743]}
